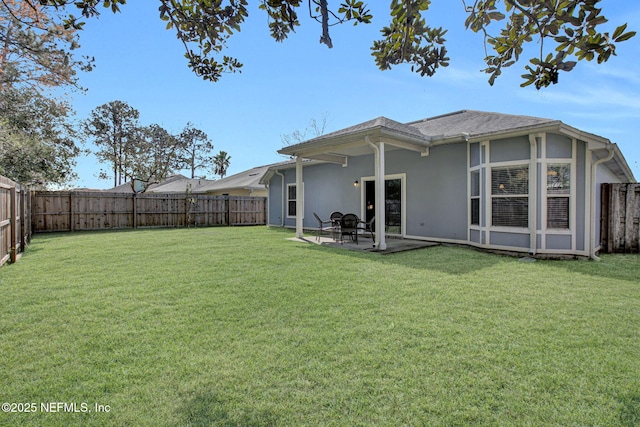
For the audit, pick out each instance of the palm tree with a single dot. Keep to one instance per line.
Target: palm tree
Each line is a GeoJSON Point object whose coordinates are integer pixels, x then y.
{"type": "Point", "coordinates": [221, 163]}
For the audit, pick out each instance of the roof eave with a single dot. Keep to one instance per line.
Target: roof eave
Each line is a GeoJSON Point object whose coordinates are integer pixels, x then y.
{"type": "Point", "coordinates": [272, 170]}
{"type": "Point", "coordinates": [377, 134]}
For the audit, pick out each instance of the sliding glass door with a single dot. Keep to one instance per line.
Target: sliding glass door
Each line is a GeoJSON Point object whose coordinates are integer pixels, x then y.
{"type": "Point", "coordinates": [393, 190]}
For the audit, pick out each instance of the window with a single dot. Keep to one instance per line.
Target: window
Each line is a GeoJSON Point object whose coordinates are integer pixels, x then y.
{"type": "Point", "coordinates": [475, 198]}
{"type": "Point", "coordinates": [510, 196]}
{"type": "Point", "coordinates": [558, 195]}
{"type": "Point", "coordinates": [291, 200]}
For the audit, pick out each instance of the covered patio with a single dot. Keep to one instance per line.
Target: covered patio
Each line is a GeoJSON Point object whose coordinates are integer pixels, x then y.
{"type": "Point", "coordinates": [373, 137]}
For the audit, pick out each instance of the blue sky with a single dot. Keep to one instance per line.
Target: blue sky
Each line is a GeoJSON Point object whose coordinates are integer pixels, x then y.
{"type": "Point", "coordinates": [285, 85]}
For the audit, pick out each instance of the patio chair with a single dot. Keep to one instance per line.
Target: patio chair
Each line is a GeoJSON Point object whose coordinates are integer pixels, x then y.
{"type": "Point", "coordinates": [323, 226]}
{"type": "Point", "coordinates": [369, 227]}
{"type": "Point", "coordinates": [349, 227]}
{"type": "Point", "coordinates": [336, 216]}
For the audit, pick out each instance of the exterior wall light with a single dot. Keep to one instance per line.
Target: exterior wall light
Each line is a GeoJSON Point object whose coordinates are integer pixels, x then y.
{"type": "Point", "coordinates": [356, 183]}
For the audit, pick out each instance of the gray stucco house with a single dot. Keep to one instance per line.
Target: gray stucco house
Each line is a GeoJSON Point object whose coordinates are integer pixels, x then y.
{"type": "Point", "coordinates": [489, 180]}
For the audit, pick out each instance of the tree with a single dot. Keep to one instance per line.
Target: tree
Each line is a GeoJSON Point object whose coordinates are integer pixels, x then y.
{"type": "Point", "coordinates": [36, 141]}
{"type": "Point", "coordinates": [563, 29]}
{"type": "Point", "coordinates": [154, 154]}
{"type": "Point", "coordinates": [315, 128]}
{"type": "Point", "coordinates": [196, 149]}
{"type": "Point", "coordinates": [36, 50]}
{"type": "Point", "coordinates": [36, 54]}
{"type": "Point", "coordinates": [221, 163]}
{"type": "Point", "coordinates": [114, 127]}
{"type": "Point", "coordinates": [570, 27]}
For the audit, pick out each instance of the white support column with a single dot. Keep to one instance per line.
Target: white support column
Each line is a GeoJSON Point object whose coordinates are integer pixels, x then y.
{"type": "Point", "coordinates": [378, 149]}
{"type": "Point", "coordinates": [533, 194]}
{"type": "Point", "coordinates": [381, 202]}
{"type": "Point", "coordinates": [299, 198]}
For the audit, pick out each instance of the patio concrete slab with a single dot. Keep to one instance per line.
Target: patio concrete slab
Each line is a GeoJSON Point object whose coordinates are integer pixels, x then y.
{"type": "Point", "coordinates": [365, 244]}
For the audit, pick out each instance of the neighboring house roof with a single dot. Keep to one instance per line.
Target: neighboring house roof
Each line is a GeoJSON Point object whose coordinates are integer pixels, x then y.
{"type": "Point", "coordinates": [173, 184]}
{"type": "Point", "coordinates": [246, 180]}
{"type": "Point", "coordinates": [124, 188]}
{"type": "Point", "coordinates": [459, 126]}
{"type": "Point", "coordinates": [178, 184]}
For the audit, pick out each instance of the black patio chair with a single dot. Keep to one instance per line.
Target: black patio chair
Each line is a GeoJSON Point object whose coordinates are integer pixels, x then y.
{"type": "Point", "coordinates": [349, 227]}
{"type": "Point", "coordinates": [369, 227]}
{"type": "Point", "coordinates": [336, 216]}
{"type": "Point", "coordinates": [323, 226]}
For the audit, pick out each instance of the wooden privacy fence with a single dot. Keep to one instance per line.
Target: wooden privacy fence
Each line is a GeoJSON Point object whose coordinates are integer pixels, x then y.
{"type": "Point", "coordinates": [15, 224]}
{"type": "Point", "coordinates": [620, 229]}
{"type": "Point", "coordinates": [89, 210]}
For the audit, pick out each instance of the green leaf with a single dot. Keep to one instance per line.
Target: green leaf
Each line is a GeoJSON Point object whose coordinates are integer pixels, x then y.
{"type": "Point", "coordinates": [618, 32]}
{"type": "Point", "coordinates": [625, 36]}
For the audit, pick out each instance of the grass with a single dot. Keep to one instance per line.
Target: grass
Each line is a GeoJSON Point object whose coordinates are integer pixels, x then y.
{"type": "Point", "coordinates": [240, 327]}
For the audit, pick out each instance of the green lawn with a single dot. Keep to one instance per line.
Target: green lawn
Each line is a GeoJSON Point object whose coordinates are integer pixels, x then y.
{"type": "Point", "coordinates": [239, 326]}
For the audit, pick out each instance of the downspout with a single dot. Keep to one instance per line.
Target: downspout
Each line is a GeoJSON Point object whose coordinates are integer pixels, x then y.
{"type": "Point", "coordinates": [282, 212]}
{"type": "Point", "coordinates": [533, 195]}
{"type": "Point", "coordinates": [592, 223]}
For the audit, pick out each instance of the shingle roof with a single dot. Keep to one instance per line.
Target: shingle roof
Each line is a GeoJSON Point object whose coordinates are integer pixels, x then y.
{"type": "Point", "coordinates": [457, 124]}
{"type": "Point", "coordinates": [447, 128]}
{"type": "Point", "coordinates": [177, 184]}
{"type": "Point", "coordinates": [123, 188]}
{"type": "Point", "coordinates": [474, 123]}
{"type": "Point", "coordinates": [380, 123]}
{"type": "Point", "coordinates": [377, 123]}
{"type": "Point", "coordinates": [172, 184]}
{"type": "Point", "coordinates": [249, 179]}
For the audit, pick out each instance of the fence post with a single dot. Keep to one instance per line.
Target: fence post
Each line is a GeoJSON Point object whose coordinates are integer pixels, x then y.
{"type": "Point", "coordinates": [70, 210]}
{"type": "Point", "coordinates": [605, 223]}
{"type": "Point", "coordinates": [135, 210]}
{"type": "Point", "coordinates": [21, 229]}
{"type": "Point", "coordinates": [629, 232]}
{"type": "Point", "coordinates": [12, 226]}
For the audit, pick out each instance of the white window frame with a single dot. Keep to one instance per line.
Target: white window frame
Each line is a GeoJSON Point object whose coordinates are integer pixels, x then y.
{"type": "Point", "coordinates": [289, 199]}
{"type": "Point", "coordinates": [566, 195]}
{"type": "Point", "coordinates": [403, 179]}
{"type": "Point", "coordinates": [478, 170]}
{"type": "Point", "coordinates": [492, 196]}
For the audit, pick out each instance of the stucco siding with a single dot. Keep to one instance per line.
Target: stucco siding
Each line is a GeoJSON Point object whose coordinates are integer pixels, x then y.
{"type": "Point", "coordinates": [329, 187]}
{"type": "Point", "coordinates": [474, 154]}
{"type": "Point", "coordinates": [515, 240]}
{"type": "Point", "coordinates": [559, 146]}
{"type": "Point", "coordinates": [510, 149]}
{"type": "Point", "coordinates": [436, 191]}
{"type": "Point", "coordinates": [558, 242]}
{"type": "Point", "coordinates": [275, 201]}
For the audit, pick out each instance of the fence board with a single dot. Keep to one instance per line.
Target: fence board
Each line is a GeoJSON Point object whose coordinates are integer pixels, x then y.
{"type": "Point", "coordinates": [620, 222]}
{"type": "Point", "coordinates": [15, 229]}
{"type": "Point", "coordinates": [86, 210]}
